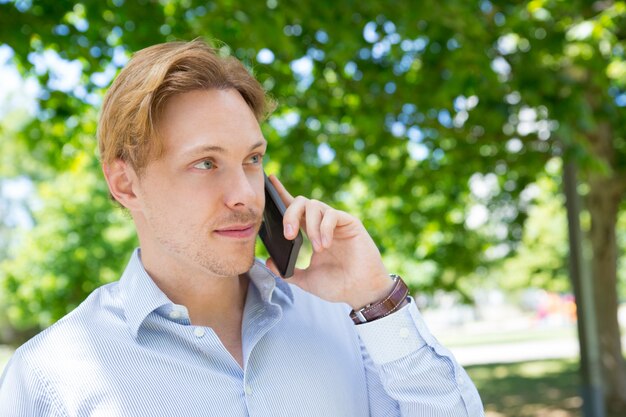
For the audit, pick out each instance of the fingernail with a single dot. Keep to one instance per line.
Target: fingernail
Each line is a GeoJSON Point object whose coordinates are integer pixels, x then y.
{"type": "Point", "coordinates": [316, 245]}
{"type": "Point", "coordinates": [325, 242]}
{"type": "Point", "coordinates": [288, 230]}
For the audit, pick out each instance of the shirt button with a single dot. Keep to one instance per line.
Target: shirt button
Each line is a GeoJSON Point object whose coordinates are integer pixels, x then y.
{"type": "Point", "coordinates": [174, 314]}
{"type": "Point", "coordinates": [248, 390]}
{"type": "Point", "coordinates": [404, 333]}
{"type": "Point", "coordinates": [198, 332]}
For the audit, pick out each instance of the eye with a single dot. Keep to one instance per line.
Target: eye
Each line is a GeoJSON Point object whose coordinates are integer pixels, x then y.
{"type": "Point", "coordinates": [256, 159]}
{"type": "Point", "coordinates": [206, 164]}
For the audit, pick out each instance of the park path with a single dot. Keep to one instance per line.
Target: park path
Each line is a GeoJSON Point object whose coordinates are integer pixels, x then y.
{"type": "Point", "coordinates": [518, 351]}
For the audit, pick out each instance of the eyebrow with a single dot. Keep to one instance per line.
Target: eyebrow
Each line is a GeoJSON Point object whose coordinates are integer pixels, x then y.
{"type": "Point", "coordinates": [218, 149]}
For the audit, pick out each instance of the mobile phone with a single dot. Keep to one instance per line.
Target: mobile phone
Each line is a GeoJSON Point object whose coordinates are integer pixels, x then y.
{"type": "Point", "coordinates": [284, 252]}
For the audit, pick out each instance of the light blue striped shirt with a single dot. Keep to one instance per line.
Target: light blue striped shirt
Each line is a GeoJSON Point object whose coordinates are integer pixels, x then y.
{"type": "Point", "coordinates": [127, 350]}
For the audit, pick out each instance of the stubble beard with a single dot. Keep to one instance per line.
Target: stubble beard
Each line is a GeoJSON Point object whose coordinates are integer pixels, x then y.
{"type": "Point", "coordinates": [227, 259]}
{"type": "Point", "coordinates": [204, 257]}
{"type": "Point", "coordinates": [226, 266]}
{"type": "Point", "coordinates": [203, 251]}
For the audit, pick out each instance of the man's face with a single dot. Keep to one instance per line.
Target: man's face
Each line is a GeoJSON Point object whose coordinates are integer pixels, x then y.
{"type": "Point", "coordinates": [201, 203]}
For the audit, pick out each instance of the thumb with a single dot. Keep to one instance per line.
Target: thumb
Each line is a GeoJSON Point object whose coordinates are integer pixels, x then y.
{"type": "Point", "coordinates": [269, 263]}
{"type": "Point", "coordinates": [299, 278]}
{"type": "Point", "coordinates": [296, 278]}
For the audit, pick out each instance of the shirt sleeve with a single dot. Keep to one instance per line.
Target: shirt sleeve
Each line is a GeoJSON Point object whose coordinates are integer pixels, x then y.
{"type": "Point", "coordinates": [405, 363]}
{"type": "Point", "coordinates": [23, 393]}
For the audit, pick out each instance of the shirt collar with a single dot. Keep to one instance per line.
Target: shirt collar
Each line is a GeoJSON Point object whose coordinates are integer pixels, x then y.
{"type": "Point", "coordinates": [141, 296]}
{"type": "Point", "coordinates": [266, 281]}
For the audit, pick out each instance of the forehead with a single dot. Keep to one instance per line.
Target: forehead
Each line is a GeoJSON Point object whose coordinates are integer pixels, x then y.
{"type": "Point", "coordinates": [208, 119]}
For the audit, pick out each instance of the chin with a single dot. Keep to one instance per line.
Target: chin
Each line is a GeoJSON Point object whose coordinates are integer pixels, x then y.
{"type": "Point", "coordinates": [244, 266]}
{"type": "Point", "coordinates": [231, 264]}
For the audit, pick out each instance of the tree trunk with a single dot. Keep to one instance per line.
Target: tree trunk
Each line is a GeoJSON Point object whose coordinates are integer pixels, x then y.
{"type": "Point", "coordinates": [603, 201]}
{"type": "Point", "coordinates": [603, 206]}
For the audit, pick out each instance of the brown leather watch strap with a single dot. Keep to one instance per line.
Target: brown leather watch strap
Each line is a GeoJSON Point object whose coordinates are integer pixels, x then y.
{"type": "Point", "coordinates": [391, 303]}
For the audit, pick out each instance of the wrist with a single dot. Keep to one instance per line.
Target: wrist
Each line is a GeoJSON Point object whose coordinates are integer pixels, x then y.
{"type": "Point", "coordinates": [373, 296]}
{"type": "Point", "coordinates": [395, 299]}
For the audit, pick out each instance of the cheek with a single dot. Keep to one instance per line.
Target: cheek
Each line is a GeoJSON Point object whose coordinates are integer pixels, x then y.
{"type": "Point", "coordinates": [166, 203]}
{"type": "Point", "coordinates": [258, 183]}
{"type": "Point", "coordinates": [168, 192]}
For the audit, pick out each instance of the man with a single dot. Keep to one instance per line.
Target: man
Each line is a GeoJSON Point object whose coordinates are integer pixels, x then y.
{"type": "Point", "coordinates": [196, 326]}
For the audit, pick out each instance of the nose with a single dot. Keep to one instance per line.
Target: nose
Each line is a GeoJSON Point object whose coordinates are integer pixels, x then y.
{"type": "Point", "coordinates": [240, 189]}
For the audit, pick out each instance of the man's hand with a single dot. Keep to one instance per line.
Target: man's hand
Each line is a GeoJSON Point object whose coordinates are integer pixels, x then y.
{"type": "Point", "coordinates": [346, 265]}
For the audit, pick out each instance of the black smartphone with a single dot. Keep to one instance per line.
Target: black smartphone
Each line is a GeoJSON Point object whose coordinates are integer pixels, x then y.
{"type": "Point", "coordinates": [284, 252]}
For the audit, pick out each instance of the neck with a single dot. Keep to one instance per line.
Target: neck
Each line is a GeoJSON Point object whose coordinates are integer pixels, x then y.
{"type": "Point", "coordinates": [211, 300]}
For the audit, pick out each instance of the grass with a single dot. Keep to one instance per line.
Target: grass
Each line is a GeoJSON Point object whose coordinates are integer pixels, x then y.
{"type": "Point", "coordinates": [546, 388]}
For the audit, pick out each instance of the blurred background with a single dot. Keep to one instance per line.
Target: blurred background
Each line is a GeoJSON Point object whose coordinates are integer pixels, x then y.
{"type": "Point", "coordinates": [452, 128]}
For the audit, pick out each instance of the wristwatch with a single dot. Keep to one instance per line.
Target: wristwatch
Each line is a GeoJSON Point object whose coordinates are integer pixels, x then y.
{"type": "Point", "coordinates": [394, 301]}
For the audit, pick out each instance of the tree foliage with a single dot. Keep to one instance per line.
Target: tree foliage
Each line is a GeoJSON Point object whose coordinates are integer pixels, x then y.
{"type": "Point", "coordinates": [375, 103]}
{"type": "Point", "coordinates": [78, 244]}
{"type": "Point", "coordinates": [416, 116]}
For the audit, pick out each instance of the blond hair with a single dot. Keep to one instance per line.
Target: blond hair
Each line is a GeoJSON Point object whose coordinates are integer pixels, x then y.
{"type": "Point", "coordinates": [128, 127]}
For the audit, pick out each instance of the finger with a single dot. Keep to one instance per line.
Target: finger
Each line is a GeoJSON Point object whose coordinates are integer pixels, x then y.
{"type": "Point", "coordinates": [272, 266]}
{"type": "Point", "coordinates": [327, 227]}
{"type": "Point", "coordinates": [345, 219]}
{"type": "Point", "coordinates": [294, 216]}
{"type": "Point", "coordinates": [282, 191]}
{"type": "Point", "coordinates": [314, 213]}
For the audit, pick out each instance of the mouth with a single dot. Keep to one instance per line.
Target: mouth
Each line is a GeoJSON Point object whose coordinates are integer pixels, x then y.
{"type": "Point", "coordinates": [238, 231]}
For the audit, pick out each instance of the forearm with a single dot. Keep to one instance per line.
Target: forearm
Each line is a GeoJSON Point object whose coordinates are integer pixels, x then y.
{"type": "Point", "coordinates": [415, 370]}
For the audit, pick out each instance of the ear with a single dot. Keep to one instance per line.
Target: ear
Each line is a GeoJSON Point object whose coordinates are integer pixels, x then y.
{"type": "Point", "coordinates": [122, 181]}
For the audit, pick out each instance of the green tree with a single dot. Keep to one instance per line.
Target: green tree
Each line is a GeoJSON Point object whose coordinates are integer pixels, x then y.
{"type": "Point", "coordinates": [568, 58]}
{"type": "Point", "coordinates": [540, 261]}
{"type": "Point", "coordinates": [398, 111]}
{"type": "Point", "coordinates": [78, 244]}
